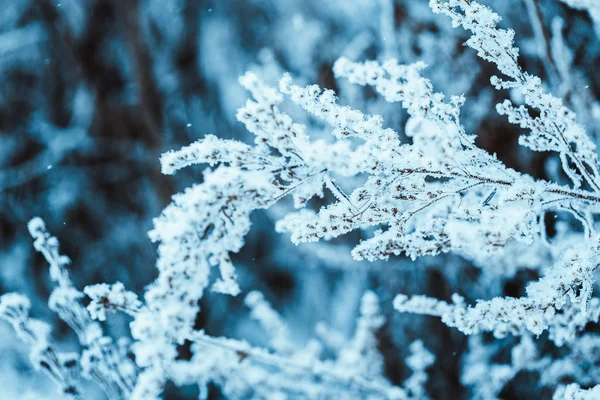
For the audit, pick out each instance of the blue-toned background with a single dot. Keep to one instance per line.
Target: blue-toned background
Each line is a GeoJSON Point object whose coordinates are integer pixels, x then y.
{"type": "Point", "coordinates": [93, 91]}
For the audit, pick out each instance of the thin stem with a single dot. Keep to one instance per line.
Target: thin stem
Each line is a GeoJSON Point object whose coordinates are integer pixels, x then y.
{"type": "Point", "coordinates": [554, 189]}
{"type": "Point", "coordinates": [324, 372]}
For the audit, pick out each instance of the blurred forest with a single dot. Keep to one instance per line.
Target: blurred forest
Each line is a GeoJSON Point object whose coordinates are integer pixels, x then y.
{"type": "Point", "coordinates": [92, 92]}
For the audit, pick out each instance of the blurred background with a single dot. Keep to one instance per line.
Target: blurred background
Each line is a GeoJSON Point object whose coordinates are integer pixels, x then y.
{"type": "Point", "coordinates": [92, 92]}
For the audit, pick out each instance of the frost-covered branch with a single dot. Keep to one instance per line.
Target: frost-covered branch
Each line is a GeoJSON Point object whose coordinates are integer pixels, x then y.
{"type": "Point", "coordinates": [100, 359]}
{"type": "Point", "coordinates": [556, 128]}
{"type": "Point", "coordinates": [486, 379]}
{"type": "Point", "coordinates": [357, 371]}
{"type": "Point", "coordinates": [439, 194]}
{"type": "Point", "coordinates": [107, 299]}
{"type": "Point", "coordinates": [62, 368]}
{"type": "Point", "coordinates": [560, 302]}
